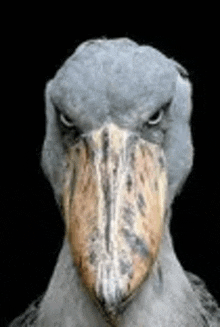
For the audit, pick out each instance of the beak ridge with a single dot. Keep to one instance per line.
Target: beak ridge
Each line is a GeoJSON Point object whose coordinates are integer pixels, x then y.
{"type": "Point", "coordinates": [114, 216]}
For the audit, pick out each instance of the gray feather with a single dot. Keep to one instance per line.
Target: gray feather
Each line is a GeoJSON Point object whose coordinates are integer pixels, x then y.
{"type": "Point", "coordinates": [120, 81]}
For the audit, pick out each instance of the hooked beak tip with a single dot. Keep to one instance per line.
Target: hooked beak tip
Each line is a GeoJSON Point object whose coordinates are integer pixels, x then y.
{"type": "Point", "coordinates": [113, 308]}
{"type": "Point", "coordinates": [114, 201]}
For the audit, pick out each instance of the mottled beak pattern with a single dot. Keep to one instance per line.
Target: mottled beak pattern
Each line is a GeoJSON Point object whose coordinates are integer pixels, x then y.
{"type": "Point", "coordinates": [114, 206]}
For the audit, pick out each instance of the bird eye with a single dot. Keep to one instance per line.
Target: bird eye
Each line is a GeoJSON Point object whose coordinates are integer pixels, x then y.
{"type": "Point", "coordinates": [66, 121]}
{"type": "Point", "coordinates": [156, 117]}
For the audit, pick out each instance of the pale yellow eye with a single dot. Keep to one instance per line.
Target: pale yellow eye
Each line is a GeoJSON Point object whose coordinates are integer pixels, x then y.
{"type": "Point", "coordinates": [66, 121]}
{"type": "Point", "coordinates": [156, 117]}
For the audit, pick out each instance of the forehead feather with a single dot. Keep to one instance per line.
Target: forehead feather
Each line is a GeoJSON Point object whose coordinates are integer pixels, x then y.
{"type": "Point", "coordinates": [114, 77]}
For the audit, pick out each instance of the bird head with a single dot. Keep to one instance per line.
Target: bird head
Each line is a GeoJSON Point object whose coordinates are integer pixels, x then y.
{"type": "Point", "coordinates": [117, 150]}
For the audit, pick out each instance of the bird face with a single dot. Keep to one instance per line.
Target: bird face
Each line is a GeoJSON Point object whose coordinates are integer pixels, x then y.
{"type": "Point", "coordinates": [114, 204]}
{"type": "Point", "coordinates": [117, 149]}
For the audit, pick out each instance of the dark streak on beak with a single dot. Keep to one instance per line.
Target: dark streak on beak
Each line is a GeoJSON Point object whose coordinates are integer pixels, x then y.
{"type": "Point", "coordinates": [114, 213]}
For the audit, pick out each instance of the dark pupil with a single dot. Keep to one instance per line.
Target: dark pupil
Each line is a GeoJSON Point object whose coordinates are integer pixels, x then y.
{"type": "Point", "coordinates": [67, 119]}
{"type": "Point", "coordinates": [155, 116]}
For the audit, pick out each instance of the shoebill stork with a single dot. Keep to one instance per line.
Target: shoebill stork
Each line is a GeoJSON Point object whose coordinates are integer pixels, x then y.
{"type": "Point", "coordinates": [117, 150]}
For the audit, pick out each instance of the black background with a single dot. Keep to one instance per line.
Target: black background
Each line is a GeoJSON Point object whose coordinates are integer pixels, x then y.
{"type": "Point", "coordinates": [31, 229]}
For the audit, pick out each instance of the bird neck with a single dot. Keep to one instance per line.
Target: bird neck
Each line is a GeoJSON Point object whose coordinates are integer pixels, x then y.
{"type": "Point", "coordinates": [165, 298]}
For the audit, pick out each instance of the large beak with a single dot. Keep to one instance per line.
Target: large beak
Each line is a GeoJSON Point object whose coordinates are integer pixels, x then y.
{"type": "Point", "coordinates": [114, 205]}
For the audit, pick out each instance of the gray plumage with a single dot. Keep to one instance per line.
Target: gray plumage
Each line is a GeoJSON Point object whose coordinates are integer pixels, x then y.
{"type": "Point", "coordinates": [119, 81]}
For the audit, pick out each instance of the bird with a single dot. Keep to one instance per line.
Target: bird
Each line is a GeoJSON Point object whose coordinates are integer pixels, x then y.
{"type": "Point", "coordinates": [117, 151]}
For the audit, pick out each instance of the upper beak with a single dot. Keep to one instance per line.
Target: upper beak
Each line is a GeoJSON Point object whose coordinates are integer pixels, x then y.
{"type": "Point", "coordinates": [114, 204]}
